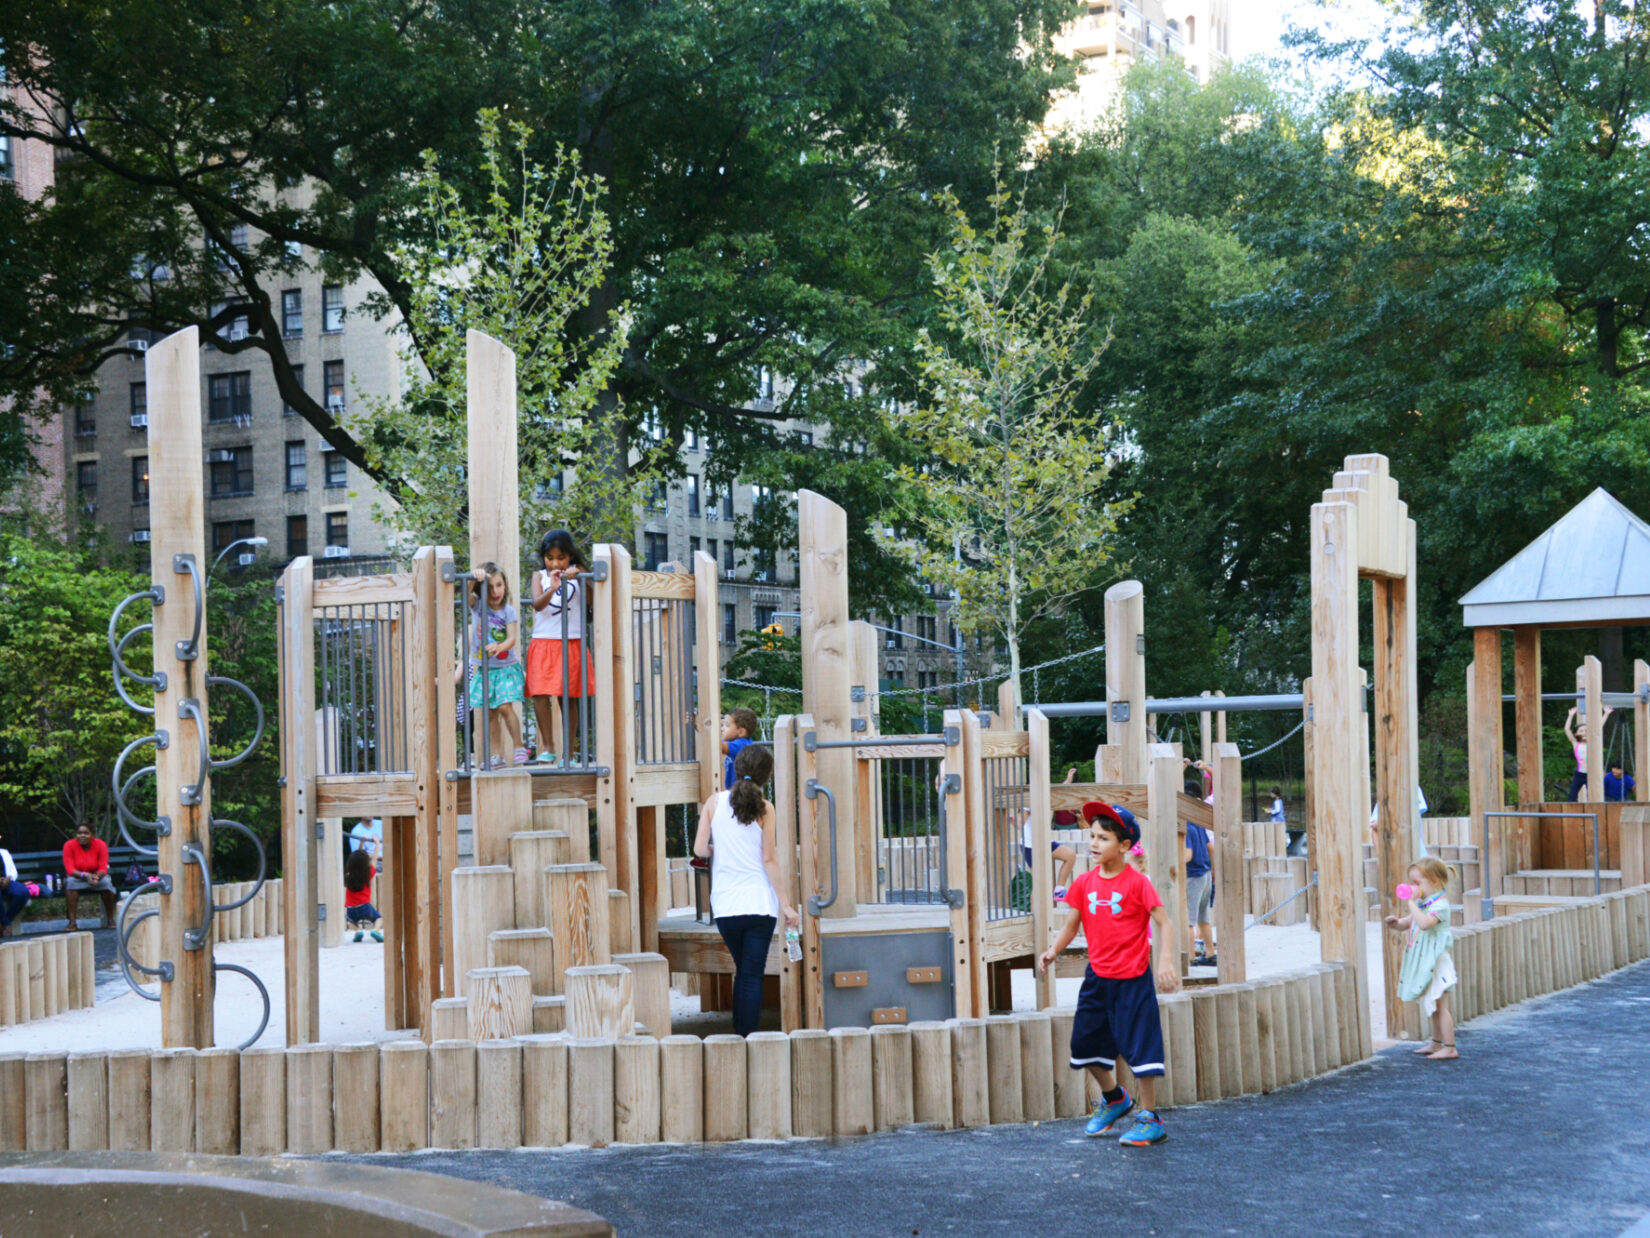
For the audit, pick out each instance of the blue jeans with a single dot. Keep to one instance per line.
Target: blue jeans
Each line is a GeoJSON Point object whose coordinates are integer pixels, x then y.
{"type": "Point", "coordinates": [748, 939]}
{"type": "Point", "coordinates": [14, 896]}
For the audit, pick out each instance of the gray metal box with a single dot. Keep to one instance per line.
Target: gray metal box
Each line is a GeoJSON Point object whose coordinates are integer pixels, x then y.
{"type": "Point", "coordinates": [885, 958]}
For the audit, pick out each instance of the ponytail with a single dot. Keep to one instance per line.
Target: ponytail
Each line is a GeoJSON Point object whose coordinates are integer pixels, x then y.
{"type": "Point", "coordinates": [751, 770]}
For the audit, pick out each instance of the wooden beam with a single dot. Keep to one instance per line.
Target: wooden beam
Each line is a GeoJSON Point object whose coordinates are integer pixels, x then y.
{"type": "Point", "coordinates": [708, 661]}
{"type": "Point", "coordinates": [365, 590]}
{"type": "Point", "coordinates": [495, 508]}
{"type": "Point", "coordinates": [1394, 723]}
{"type": "Point", "coordinates": [964, 948]}
{"type": "Point", "coordinates": [1230, 876]}
{"type": "Point", "coordinates": [1336, 760]}
{"type": "Point", "coordinates": [1641, 730]}
{"type": "Point", "coordinates": [791, 1012]}
{"type": "Point", "coordinates": [1590, 683]}
{"type": "Point", "coordinates": [862, 651]}
{"type": "Point", "coordinates": [826, 675]}
{"type": "Point", "coordinates": [811, 874]}
{"type": "Point", "coordinates": [662, 586]}
{"type": "Point", "coordinates": [1527, 713]}
{"type": "Point", "coordinates": [177, 527]}
{"type": "Point", "coordinates": [1071, 796]}
{"type": "Point", "coordinates": [1042, 872]}
{"type": "Point", "coordinates": [1164, 837]}
{"type": "Point", "coordinates": [299, 810]}
{"type": "Point", "coordinates": [975, 891]}
{"type": "Point", "coordinates": [441, 834]}
{"type": "Point", "coordinates": [1126, 677]}
{"type": "Point", "coordinates": [1309, 804]}
{"type": "Point", "coordinates": [1485, 748]}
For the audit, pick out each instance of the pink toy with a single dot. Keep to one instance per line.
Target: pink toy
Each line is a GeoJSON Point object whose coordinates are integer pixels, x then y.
{"type": "Point", "coordinates": [34, 890]}
{"type": "Point", "coordinates": [1405, 892]}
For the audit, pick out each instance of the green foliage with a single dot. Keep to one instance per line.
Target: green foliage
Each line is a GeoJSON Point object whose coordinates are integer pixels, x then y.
{"type": "Point", "coordinates": [1008, 493]}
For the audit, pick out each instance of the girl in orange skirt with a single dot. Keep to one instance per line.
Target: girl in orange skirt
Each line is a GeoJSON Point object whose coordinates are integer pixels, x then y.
{"type": "Point", "coordinates": [558, 665]}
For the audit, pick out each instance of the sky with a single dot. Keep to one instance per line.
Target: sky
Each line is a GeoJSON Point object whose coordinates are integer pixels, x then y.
{"type": "Point", "coordinates": [1258, 25]}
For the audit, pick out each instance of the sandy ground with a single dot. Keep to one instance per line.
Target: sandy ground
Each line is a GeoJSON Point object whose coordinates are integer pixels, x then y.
{"type": "Point", "coordinates": [352, 997]}
{"type": "Point", "coordinates": [352, 1005]}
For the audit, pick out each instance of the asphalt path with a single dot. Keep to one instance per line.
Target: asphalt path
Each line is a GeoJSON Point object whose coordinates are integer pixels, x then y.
{"type": "Point", "coordinates": [1542, 1127]}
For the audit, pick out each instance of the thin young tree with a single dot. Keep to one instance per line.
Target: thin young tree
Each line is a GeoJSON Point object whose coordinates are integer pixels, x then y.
{"type": "Point", "coordinates": [1008, 506]}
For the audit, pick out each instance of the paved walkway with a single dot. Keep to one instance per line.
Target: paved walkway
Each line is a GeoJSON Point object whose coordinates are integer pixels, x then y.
{"type": "Point", "coordinates": [1543, 1127]}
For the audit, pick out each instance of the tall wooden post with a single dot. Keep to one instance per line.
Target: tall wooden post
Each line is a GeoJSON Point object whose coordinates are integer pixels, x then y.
{"type": "Point", "coordinates": [1641, 730]}
{"type": "Point", "coordinates": [417, 861]}
{"type": "Point", "coordinates": [1590, 683]}
{"type": "Point", "coordinates": [300, 864]}
{"type": "Point", "coordinates": [1309, 800]}
{"type": "Point", "coordinates": [826, 676]}
{"type": "Point", "coordinates": [1126, 678]}
{"type": "Point", "coordinates": [1165, 857]}
{"type": "Point", "coordinates": [1396, 832]}
{"type": "Point", "coordinates": [1485, 747]}
{"type": "Point", "coordinates": [178, 530]}
{"type": "Point", "coordinates": [791, 1008]}
{"type": "Point", "coordinates": [1042, 876]}
{"type": "Point", "coordinates": [1233, 958]}
{"type": "Point", "coordinates": [862, 655]}
{"type": "Point", "coordinates": [1527, 713]}
{"type": "Point", "coordinates": [1335, 757]}
{"type": "Point", "coordinates": [708, 689]}
{"type": "Point", "coordinates": [964, 948]}
{"type": "Point", "coordinates": [495, 508]}
{"type": "Point", "coordinates": [442, 833]}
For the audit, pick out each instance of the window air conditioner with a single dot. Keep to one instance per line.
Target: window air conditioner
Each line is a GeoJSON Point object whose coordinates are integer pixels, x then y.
{"type": "Point", "coordinates": [140, 421]}
{"type": "Point", "coordinates": [140, 535]}
{"type": "Point", "coordinates": [138, 345]}
{"type": "Point", "coordinates": [335, 404]}
{"type": "Point", "coordinates": [335, 552]}
{"type": "Point", "coordinates": [220, 455]}
{"type": "Point", "coordinates": [246, 560]}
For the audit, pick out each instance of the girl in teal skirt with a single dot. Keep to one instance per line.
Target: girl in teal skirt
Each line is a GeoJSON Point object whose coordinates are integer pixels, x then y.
{"type": "Point", "coordinates": [496, 675]}
{"type": "Point", "coordinates": [1428, 971]}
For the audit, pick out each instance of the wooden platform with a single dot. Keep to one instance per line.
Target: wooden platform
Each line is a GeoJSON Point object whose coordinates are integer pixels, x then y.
{"type": "Point", "coordinates": [1512, 904]}
{"type": "Point", "coordinates": [695, 947]}
{"type": "Point", "coordinates": [1566, 882]}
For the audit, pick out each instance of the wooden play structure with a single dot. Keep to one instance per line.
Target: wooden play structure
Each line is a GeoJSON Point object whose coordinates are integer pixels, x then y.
{"type": "Point", "coordinates": [1591, 569]}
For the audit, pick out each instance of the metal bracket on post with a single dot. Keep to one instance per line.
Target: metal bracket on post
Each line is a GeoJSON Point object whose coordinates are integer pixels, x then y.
{"type": "Point", "coordinates": [952, 735]}
{"type": "Point", "coordinates": [810, 741]}
{"type": "Point", "coordinates": [598, 570]}
{"type": "Point", "coordinates": [858, 724]}
{"type": "Point", "coordinates": [856, 694]}
{"type": "Point", "coordinates": [950, 784]}
{"type": "Point", "coordinates": [813, 789]}
{"type": "Point", "coordinates": [1119, 711]}
{"type": "Point", "coordinates": [449, 573]}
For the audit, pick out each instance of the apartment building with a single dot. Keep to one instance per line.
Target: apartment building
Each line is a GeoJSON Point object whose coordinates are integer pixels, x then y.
{"type": "Point", "coordinates": [1113, 35]}
{"type": "Point", "coordinates": [266, 472]}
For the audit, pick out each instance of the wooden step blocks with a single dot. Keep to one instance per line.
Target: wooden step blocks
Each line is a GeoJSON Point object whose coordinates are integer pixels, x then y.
{"type": "Point", "coordinates": [650, 989]}
{"type": "Point", "coordinates": [484, 901]}
{"type": "Point", "coordinates": [576, 897]}
{"type": "Point", "coordinates": [600, 1001]}
{"type": "Point", "coordinates": [531, 852]}
{"type": "Point", "coordinates": [501, 805]}
{"type": "Point", "coordinates": [566, 816]}
{"type": "Point", "coordinates": [531, 948]}
{"type": "Point", "coordinates": [499, 1003]}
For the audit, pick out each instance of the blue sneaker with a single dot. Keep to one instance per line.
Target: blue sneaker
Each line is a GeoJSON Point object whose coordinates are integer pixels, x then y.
{"type": "Point", "coordinates": [1103, 1120]}
{"type": "Point", "coordinates": [1148, 1128]}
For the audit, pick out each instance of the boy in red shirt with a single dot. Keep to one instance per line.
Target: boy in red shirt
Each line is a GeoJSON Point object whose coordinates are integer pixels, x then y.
{"type": "Point", "coordinates": [1114, 903]}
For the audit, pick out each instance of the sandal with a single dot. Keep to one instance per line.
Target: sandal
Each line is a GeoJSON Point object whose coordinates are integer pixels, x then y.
{"type": "Point", "coordinates": [520, 757]}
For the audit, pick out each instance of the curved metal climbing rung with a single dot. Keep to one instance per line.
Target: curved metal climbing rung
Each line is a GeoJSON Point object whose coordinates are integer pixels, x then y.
{"type": "Point", "coordinates": [262, 992]}
{"type": "Point", "coordinates": [196, 939]}
{"type": "Point", "coordinates": [124, 815]}
{"type": "Point", "coordinates": [122, 672]}
{"type": "Point", "coordinates": [224, 823]}
{"type": "Point", "coordinates": [190, 649]}
{"type": "Point", "coordinates": [257, 738]}
{"type": "Point", "coordinates": [123, 932]}
{"type": "Point", "coordinates": [189, 707]}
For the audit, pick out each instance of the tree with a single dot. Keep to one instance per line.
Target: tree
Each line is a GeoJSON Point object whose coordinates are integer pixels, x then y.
{"type": "Point", "coordinates": [770, 174]}
{"type": "Point", "coordinates": [519, 269]}
{"type": "Point", "coordinates": [1008, 502]}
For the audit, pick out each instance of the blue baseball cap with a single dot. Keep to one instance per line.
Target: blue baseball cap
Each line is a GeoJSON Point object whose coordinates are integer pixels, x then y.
{"type": "Point", "coordinates": [1116, 813]}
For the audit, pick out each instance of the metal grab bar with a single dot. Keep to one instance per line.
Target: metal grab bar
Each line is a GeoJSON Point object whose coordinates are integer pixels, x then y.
{"type": "Point", "coordinates": [813, 789]}
{"type": "Point", "coordinates": [117, 649]}
{"type": "Point", "coordinates": [258, 735]}
{"type": "Point", "coordinates": [1486, 902]}
{"type": "Point", "coordinates": [196, 939]}
{"type": "Point", "coordinates": [189, 650]}
{"type": "Point", "coordinates": [123, 933]}
{"type": "Point", "coordinates": [262, 992]}
{"type": "Point", "coordinates": [1261, 919]}
{"type": "Point", "coordinates": [124, 814]}
{"type": "Point", "coordinates": [189, 707]}
{"type": "Point", "coordinates": [950, 785]}
{"type": "Point", "coordinates": [257, 843]}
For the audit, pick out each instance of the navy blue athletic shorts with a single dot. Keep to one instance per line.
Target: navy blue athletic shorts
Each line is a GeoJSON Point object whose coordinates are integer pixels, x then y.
{"type": "Point", "coordinates": [1117, 1019]}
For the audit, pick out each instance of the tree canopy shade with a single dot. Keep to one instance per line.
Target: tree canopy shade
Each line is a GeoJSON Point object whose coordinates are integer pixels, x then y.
{"type": "Point", "coordinates": [769, 170]}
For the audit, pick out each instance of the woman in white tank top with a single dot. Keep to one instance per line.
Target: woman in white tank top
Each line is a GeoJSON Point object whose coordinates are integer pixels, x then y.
{"type": "Point", "coordinates": [736, 834]}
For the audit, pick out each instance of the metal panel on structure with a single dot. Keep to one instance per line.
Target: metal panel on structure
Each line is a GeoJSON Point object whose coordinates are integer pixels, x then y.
{"type": "Point", "coordinates": [879, 970]}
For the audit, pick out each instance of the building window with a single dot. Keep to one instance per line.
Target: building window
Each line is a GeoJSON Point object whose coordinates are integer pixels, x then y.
{"type": "Point", "coordinates": [332, 386]}
{"type": "Point", "coordinates": [764, 617]}
{"type": "Point", "coordinates": [140, 405]}
{"type": "Point", "coordinates": [727, 504]}
{"type": "Point", "coordinates": [85, 421]}
{"type": "Point", "coordinates": [138, 340]}
{"type": "Point", "coordinates": [730, 623]}
{"type": "Point", "coordinates": [338, 529]}
{"type": "Point", "coordinates": [292, 313]}
{"type": "Point", "coordinates": [238, 327]}
{"type": "Point", "coordinates": [806, 438]}
{"type": "Point", "coordinates": [655, 550]}
{"type": "Point", "coordinates": [694, 547]}
{"type": "Point", "coordinates": [297, 536]}
{"type": "Point", "coordinates": [896, 634]}
{"type": "Point", "coordinates": [85, 479]}
{"type": "Point", "coordinates": [298, 377]}
{"type": "Point", "coordinates": [693, 495]}
{"type": "Point", "coordinates": [225, 533]}
{"type": "Point", "coordinates": [764, 384]}
{"type": "Point", "coordinates": [337, 468]}
{"type": "Point", "coordinates": [763, 566]}
{"type": "Point", "coordinates": [297, 467]}
{"type": "Point", "coordinates": [6, 169]}
{"type": "Point", "coordinates": [710, 549]}
{"type": "Point", "coordinates": [332, 309]}
{"type": "Point", "coordinates": [231, 471]}
{"type": "Point", "coordinates": [690, 440]}
{"type": "Point", "coordinates": [727, 558]}
{"type": "Point", "coordinates": [927, 627]}
{"type": "Point", "coordinates": [229, 397]}
{"type": "Point", "coordinates": [140, 479]}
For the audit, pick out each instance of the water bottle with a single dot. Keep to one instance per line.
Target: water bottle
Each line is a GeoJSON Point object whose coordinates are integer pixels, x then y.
{"type": "Point", "coordinates": [793, 944]}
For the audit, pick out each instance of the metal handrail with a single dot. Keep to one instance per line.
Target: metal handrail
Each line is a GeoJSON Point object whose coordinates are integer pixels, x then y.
{"type": "Point", "coordinates": [117, 649]}
{"type": "Point", "coordinates": [189, 650]}
{"type": "Point", "coordinates": [196, 938]}
{"type": "Point", "coordinates": [258, 734]}
{"type": "Point", "coordinates": [950, 785]}
{"type": "Point", "coordinates": [123, 951]}
{"type": "Point", "coordinates": [189, 707]}
{"type": "Point", "coordinates": [813, 789]}
{"type": "Point", "coordinates": [1486, 903]}
{"type": "Point", "coordinates": [263, 862]}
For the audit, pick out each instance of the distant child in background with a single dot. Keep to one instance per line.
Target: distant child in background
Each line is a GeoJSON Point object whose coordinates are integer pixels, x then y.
{"type": "Point", "coordinates": [1200, 894]}
{"type": "Point", "coordinates": [1618, 785]}
{"type": "Point", "coordinates": [1116, 907]}
{"type": "Point", "coordinates": [1428, 971]}
{"type": "Point", "coordinates": [1064, 856]}
{"type": "Point", "coordinates": [358, 908]}
{"type": "Point", "coordinates": [1575, 728]}
{"type": "Point", "coordinates": [558, 664]}
{"type": "Point", "coordinates": [1297, 838]}
{"type": "Point", "coordinates": [496, 677]}
{"type": "Point", "coordinates": [740, 728]}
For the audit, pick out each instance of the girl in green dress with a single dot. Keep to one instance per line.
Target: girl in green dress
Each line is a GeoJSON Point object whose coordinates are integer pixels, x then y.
{"type": "Point", "coordinates": [1428, 971]}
